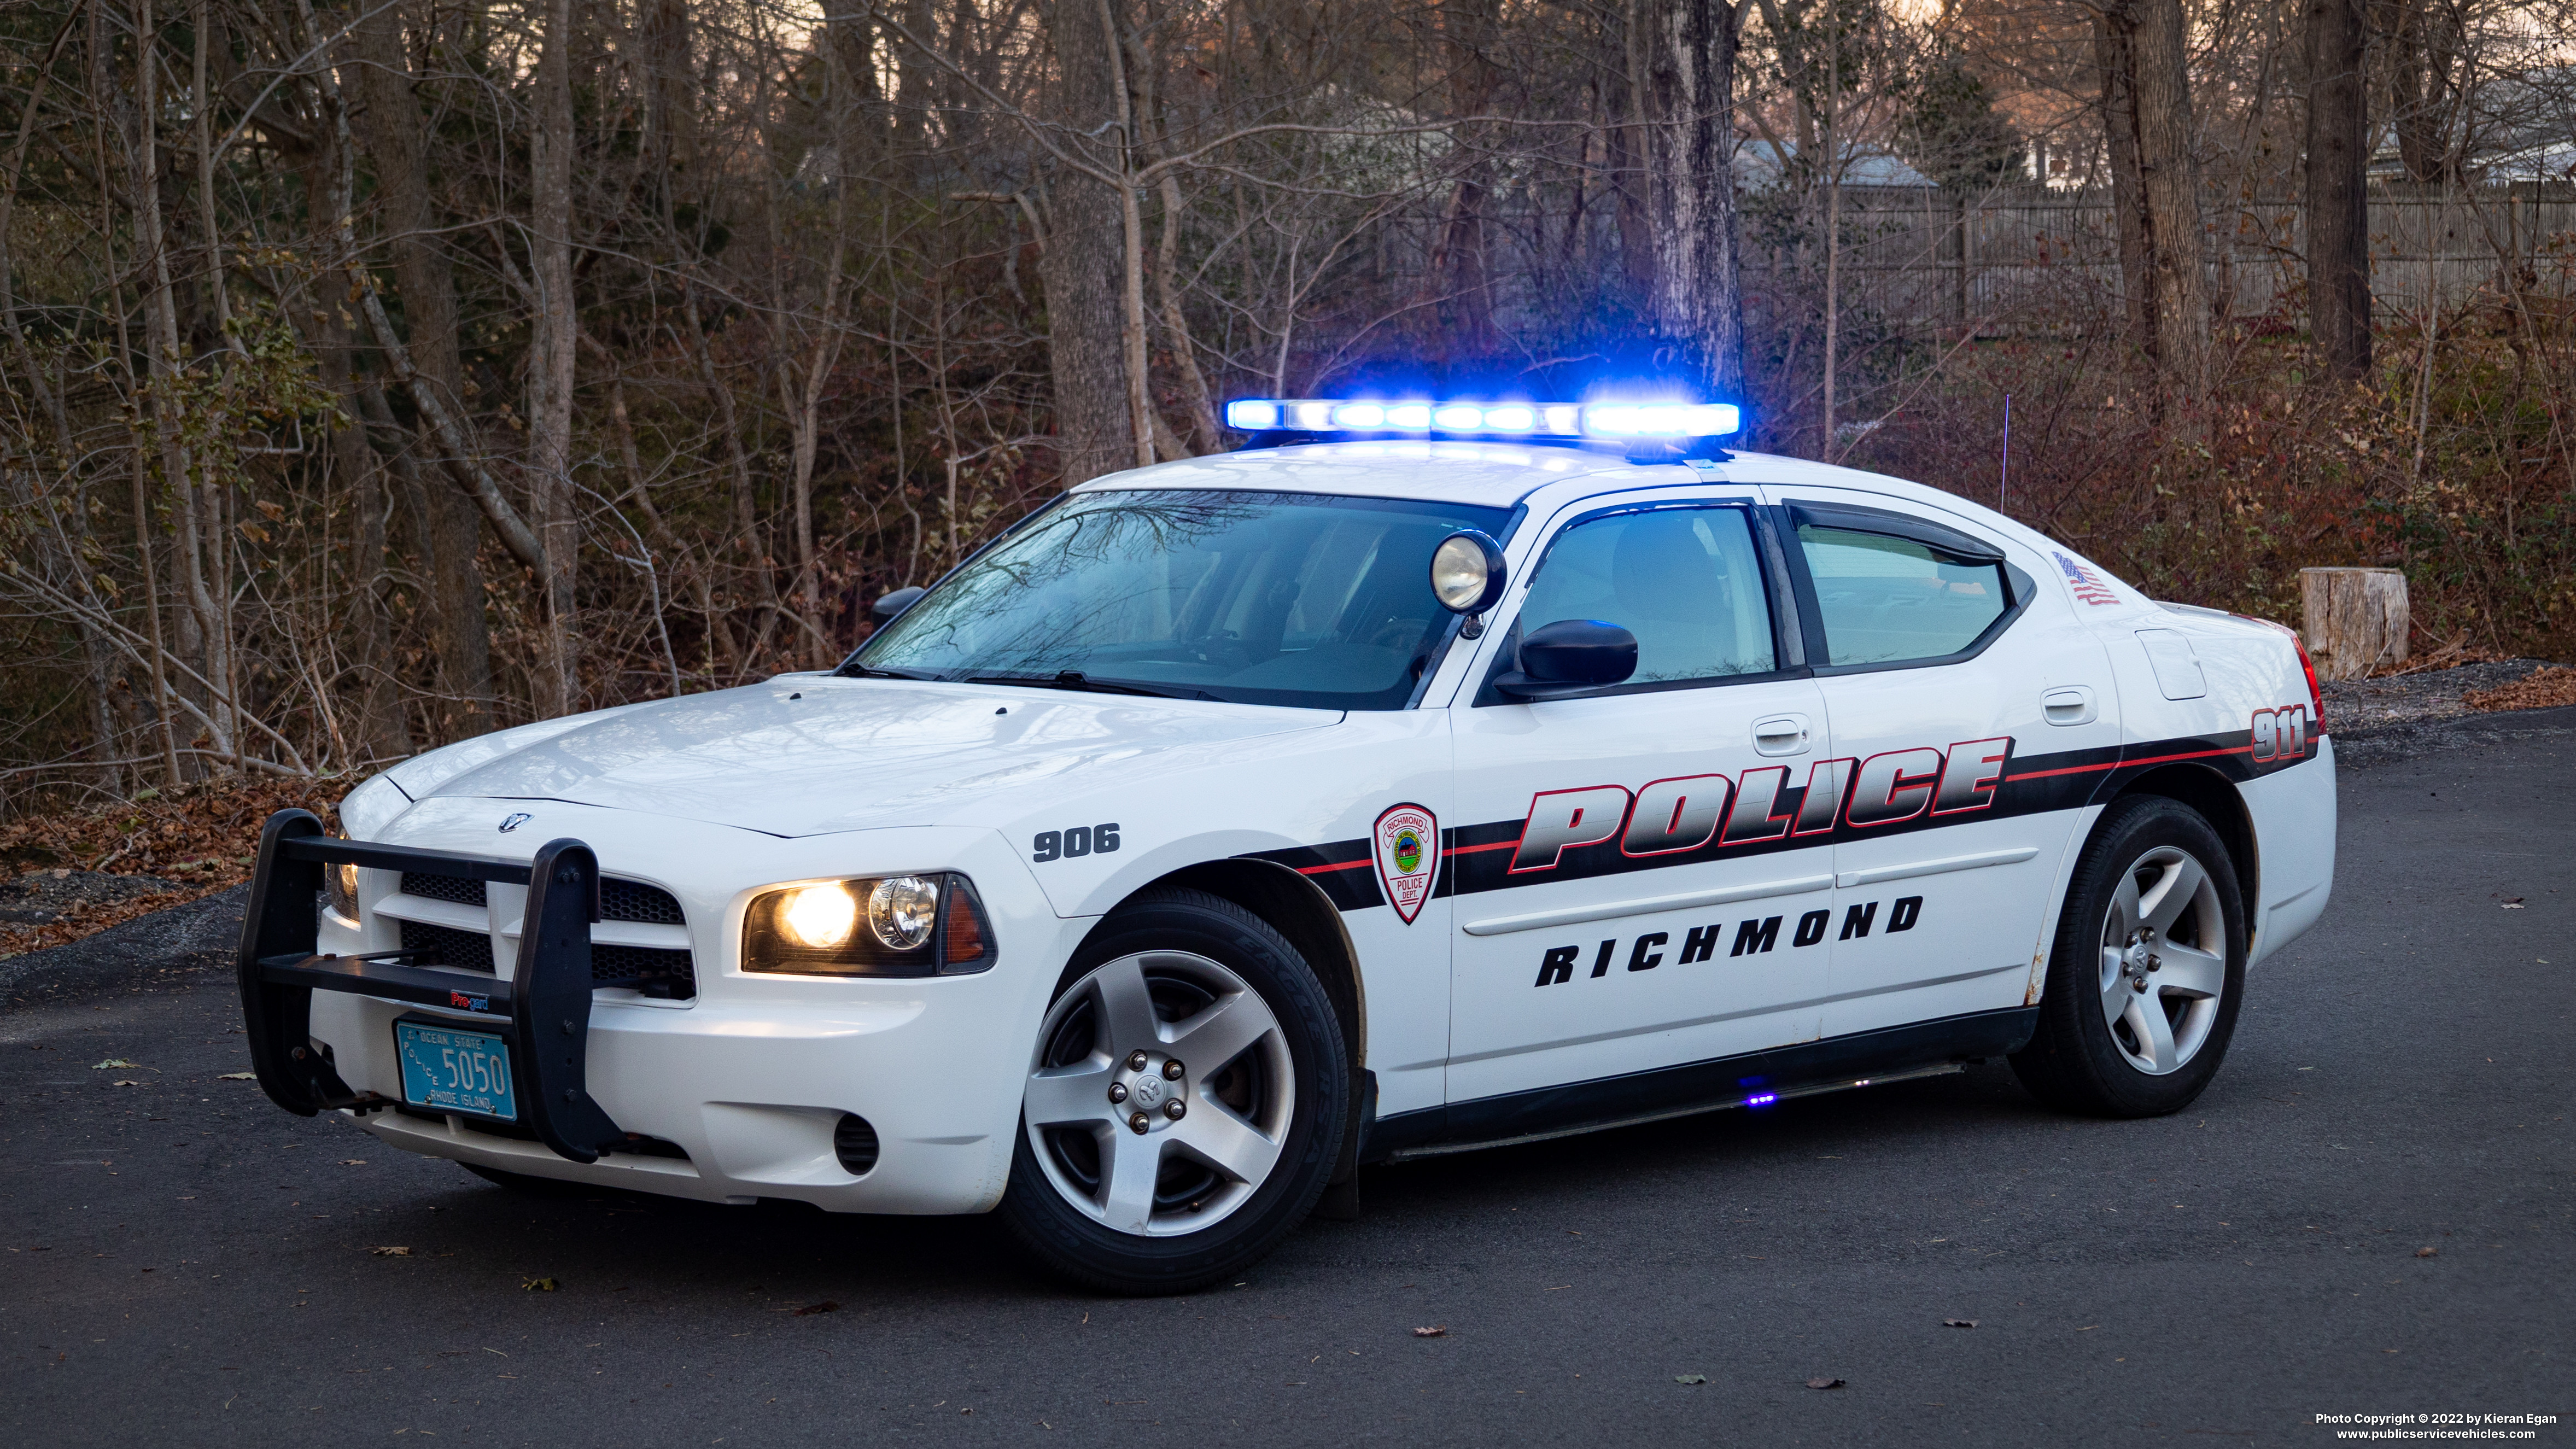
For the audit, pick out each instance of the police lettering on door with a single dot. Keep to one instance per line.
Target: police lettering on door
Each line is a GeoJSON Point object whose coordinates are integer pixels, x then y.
{"type": "Point", "coordinates": [1752, 938]}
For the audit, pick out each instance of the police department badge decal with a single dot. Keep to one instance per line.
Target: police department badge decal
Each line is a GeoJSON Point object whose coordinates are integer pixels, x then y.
{"type": "Point", "coordinates": [1408, 857]}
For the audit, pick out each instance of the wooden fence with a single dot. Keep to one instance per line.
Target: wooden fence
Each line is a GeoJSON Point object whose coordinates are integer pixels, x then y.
{"type": "Point", "coordinates": [2033, 261]}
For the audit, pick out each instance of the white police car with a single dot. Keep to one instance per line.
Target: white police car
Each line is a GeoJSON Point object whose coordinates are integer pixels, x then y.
{"type": "Point", "coordinates": [1231, 823]}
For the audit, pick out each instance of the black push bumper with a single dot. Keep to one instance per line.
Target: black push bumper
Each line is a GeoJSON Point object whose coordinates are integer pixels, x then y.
{"type": "Point", "coordinates": [543, 1011]}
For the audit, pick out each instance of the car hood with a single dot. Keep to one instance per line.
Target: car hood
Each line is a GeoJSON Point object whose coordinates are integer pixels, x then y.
{"type": "Point", "coordinates": [810, 754]}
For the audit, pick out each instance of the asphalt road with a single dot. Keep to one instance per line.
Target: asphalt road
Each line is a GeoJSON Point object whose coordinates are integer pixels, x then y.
{"type": "Point", "coordinates": [187, 1265]}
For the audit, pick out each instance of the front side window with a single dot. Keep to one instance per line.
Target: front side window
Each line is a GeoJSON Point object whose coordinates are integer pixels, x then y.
{"type": "Point", "coordinates": [1686, 581]}
{"type": "Point", "coordinates": [1889, 600]}
{"type": "Point", "coordinates": [1255, 598]}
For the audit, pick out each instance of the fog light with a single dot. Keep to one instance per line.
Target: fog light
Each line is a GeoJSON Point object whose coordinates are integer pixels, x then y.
{"type": "Point", "coordinates": [855, 1143]}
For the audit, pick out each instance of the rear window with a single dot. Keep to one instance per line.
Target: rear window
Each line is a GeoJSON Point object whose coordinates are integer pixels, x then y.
{"type": "Point", "coordinates": [1889, 600]}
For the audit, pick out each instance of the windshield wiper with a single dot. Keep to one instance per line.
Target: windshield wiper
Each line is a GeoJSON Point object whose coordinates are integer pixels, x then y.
{"type": "Point", "coordinates": [1075, 679]}
{"type": "Point", "coordinates": [856, 670]}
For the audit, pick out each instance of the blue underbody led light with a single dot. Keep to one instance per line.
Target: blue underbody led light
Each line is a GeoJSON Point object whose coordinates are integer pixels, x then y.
{"type": "Point", "coordinates": [1766, 1099]}
{"type": "Point", "coordinates": [1607, 420]}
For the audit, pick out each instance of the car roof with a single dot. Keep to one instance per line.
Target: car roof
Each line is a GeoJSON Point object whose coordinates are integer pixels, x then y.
{"type": "Point", "coordinates": [1488, 474]}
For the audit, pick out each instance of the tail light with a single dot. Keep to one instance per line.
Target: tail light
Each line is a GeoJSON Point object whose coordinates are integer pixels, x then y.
{"type": "Point", "coordinates": [2307, 666]}
{"type": "Point", "coordinates": [2316, 697]}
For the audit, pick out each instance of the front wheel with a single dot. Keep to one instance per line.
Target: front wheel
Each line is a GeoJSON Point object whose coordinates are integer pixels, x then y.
{"type": "Point", "coordinates": [1185, 1100]}
{"type": "Point", "coordinates": [2147, 971]}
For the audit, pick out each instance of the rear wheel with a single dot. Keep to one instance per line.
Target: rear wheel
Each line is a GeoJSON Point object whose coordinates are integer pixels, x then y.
{"type": "Point", "coordinates": [2147, 971]}
{"type": "Point", "coordinates": [1184, 1104]}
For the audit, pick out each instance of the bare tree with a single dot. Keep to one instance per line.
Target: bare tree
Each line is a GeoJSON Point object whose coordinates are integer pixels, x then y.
{"type": "Point", "coordinates": [2337, 162]}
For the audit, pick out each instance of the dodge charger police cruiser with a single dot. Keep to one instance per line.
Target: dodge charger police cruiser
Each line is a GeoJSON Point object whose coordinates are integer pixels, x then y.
{"type": "Point", "coordinates": [1422, 777]}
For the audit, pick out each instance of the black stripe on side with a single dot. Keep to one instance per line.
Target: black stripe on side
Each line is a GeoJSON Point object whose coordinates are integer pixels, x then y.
{"type": "Point", "coordinates": [1476, 859]}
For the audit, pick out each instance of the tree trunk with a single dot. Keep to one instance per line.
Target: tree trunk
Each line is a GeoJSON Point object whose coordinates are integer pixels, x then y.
{"type": "Point", "coordinates": [2173, 198]}
{"type": "Point", "coordinates": [551, 370]}
{"type": "Point", "coordinates": [1085, 260]}
{"type": "Point", "coordinates": [2114, 29]}
{"type": "Point", "coordinates": [1628, 149]}
{"type": "Point", "coordinates": [1468, 33]}
{"type": "Point", "coordinates": [2354, 621]}
{"type": "Point", "coordinates": [394, 141]}
{"type": "Point", "coordinates": [190, 508]}
{"type": "Point", "coordinates": [1690, 48]}
{"type": "Point", "coordinates": [369, 624]}
{"type": "Point", "coordinates": [2338, 148]}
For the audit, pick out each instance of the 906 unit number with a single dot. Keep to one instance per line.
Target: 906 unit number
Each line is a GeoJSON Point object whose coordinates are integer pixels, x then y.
{"type": "Point", "coordinates": [1075, 843]}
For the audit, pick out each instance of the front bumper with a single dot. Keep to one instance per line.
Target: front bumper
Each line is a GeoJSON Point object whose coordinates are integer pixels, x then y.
{"type": "Point", "coordinates": [734, 1096]}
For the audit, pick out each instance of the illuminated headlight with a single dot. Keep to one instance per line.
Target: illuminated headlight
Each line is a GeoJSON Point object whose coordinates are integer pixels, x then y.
{"type": "Point", "coordinates": [340, 887]}
{"type": "Point", "coordinates": [924, 924]}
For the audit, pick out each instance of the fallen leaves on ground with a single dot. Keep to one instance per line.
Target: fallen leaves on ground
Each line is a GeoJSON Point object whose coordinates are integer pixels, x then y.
{"type": "Point", "coordinates": [539, 1285]}
{"type": "Point", "coordinates": [1436, 1331]}
{"type": "Point", "coordinates": [1823, 1383]}
{"type": "Point", "coordinates": [2544, 688]}
{"type": "Point", "coordinates": [1690, 1378]}
{"type": "Point", "coordinates": [238, 1077]}
{"type": "Point", "coordinates": [113, 1062]}
{"type": "Point", "coordinates": [810, 1309]}
{"type": "Point", "coordinates": [201, 837]}
{"type": "Point", "coordinates": [2428, 1252]}
{"type": "Point", "coordinates": [391, 1252]}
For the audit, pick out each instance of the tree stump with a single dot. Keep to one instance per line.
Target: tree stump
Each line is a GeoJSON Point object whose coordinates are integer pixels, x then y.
{"type": "Point", "coordinates": [2353, 620]}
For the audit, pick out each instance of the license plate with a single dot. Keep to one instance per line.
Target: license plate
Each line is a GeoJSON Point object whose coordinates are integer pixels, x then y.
{"type": "Point", "coordinates": [455, 1071]}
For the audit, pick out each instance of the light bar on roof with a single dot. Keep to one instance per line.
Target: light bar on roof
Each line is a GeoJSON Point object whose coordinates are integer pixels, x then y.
{"type": "Point", "coordinates": [1642, 419]}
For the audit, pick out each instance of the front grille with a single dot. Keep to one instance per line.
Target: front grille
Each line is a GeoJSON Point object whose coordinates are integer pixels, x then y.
{"type": "Point", "coordinates": [648, 969]}
{"type": "Point", "coordinates": [656, 972]}
{"type": "Point", "coordinates": [448, 946]}
{"type": "Point", "coordinates": [455, 888]}
{"type": "Point", "coordinates": [632, 900]}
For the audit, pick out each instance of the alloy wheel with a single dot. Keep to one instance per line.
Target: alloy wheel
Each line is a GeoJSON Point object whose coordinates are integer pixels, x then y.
{"type": "Point", "coordinates": [1161, 1093]}
{"type": "Point", "coordinates": [2163, 960]}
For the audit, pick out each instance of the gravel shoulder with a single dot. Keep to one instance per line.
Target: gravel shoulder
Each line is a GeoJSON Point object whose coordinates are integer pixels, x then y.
{"type": "Point", "coordinates": [161, 950]}
{"type": "Point", "coordinates": [2379, 721]}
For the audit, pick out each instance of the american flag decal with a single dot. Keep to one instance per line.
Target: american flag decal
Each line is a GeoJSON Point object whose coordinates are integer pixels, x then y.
{"type": "Point", "coordinates": [2088, 585]}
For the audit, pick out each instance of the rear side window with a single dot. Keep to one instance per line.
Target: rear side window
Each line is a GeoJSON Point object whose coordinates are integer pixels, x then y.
{"type": "Point", "coordinates": [1685, 581]}
{"type": "Point", "coordinates": [1888, 600]}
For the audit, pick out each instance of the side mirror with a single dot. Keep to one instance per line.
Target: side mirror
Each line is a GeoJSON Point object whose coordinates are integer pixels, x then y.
{"type": "Point", "coordinates": [1467, 572]}
{"type": "Point", "coordinates": [884, 610]}
{"type": "Point", "coordinates": [1568, 657]}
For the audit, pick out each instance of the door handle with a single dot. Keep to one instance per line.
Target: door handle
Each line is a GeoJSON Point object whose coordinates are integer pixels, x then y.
{"type": "Point", "coordinates": [2072, 705]}
{"type": "Point", "coordinates": [1784, 734]}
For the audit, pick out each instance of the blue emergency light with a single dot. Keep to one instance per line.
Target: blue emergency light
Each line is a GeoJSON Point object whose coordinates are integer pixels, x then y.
{"type": "Point", "coordinates": [1624, 421]}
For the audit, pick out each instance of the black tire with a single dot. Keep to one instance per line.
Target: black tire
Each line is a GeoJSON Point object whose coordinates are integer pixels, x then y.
{"type": "Point", "coordinates": [1068, 1241]}
{"type": "Point", "coordinates": [2078, 1060]}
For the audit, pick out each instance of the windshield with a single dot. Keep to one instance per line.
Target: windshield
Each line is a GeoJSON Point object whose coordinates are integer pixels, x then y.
{"type": "Point", "coordinates": [1254, 598]}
